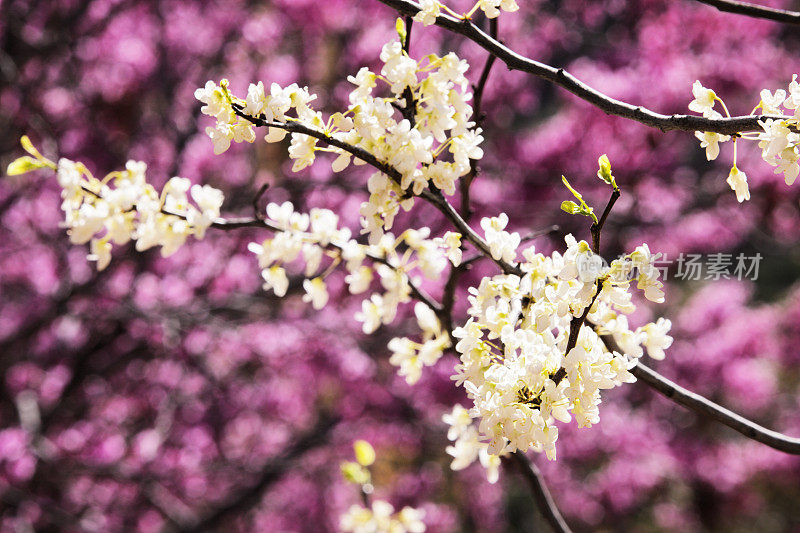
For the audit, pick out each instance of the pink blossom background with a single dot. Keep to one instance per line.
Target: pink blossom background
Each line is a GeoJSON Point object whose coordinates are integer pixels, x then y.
{"type": "Point", "coordinates": [175, 395]}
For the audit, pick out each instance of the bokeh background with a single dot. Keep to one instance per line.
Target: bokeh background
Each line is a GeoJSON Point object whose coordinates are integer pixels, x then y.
{"type": "Point", "coordinates": [174, 394]}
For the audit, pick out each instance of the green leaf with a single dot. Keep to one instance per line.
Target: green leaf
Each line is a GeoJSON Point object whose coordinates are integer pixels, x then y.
{"type": "Point", "coordinates": [22, 165]}
{"type": "Point", "coordinates": [604, 172]}
{"type": "Point", "coordinates": [575, 193]}
{"type": "Point", "coordinates": [27, 145]}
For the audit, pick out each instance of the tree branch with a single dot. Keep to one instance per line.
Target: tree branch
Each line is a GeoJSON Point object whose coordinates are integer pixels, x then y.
{"type": "Point", "coordinates": [597, 229]}
{"type": "Point", "coordinates": [703, 406]}
{"type": "Point", "coordinates": [706, 407]}
{"type": "Point", "coordinates": [544, 500]}
{"type": "Point", "coordinates": [296, 127]}
{"type": "Point", "coordinates": [435, 197]}
{"type": "Point", "coordinates": [564, 79]}
{"type": "Point", "coordinates": [753, 10]}
{"type": "Point", "coordinates": [447, 209]}
{"type": "Point", "coordinates": [577, 322]}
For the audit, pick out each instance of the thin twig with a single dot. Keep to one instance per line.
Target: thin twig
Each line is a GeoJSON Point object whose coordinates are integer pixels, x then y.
{"type": "Point", "coordinates": [753, 10]}
{"type": "Point", "coordinates": [409, 111]}
{"type": "Point", "coordinates": [540, 232]}
{"type": "Point", "coordinates": [447, 209]}
{"type": "Point", "coordinates": [564, 79]}
{"type": "Point", "coordinates": [487, 68]}
{"type": "Point", "coordinates": [544, 500]}
{"type": "Point", "coordinates": [575, 325]}
{"type": "Point", "coordinates": [448, 296]}
{"type": "Point", "coordinates": [597, 228]}
{"type": "Point", "coordinates": [466, 181]}
{"type": "Point", "coordinates": [296, 127]}
{"type": "Point", "coordinates": [256, 211]}
{"type": "Point", "coordinates": [244, 222]}
{"type": "Point", "coordinates": [577, 322]}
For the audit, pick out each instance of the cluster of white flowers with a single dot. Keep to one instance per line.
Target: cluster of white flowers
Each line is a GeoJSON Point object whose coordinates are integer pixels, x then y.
{"type": "Point", "coordinates": [392, 261]}
{"type": "Point", "coordinates": [467, 444]}
{"type": "Point", "coordinates": [123, 207]}
{"type": "Point", "coordinates": [430, 9]}
{"type": "Point", "coordinates": [410, 140]}
{"type": "Point", "coordinates": [514, 361]}
{"type": "Point", "coordinates": [779, 142]}
{"type": "Point", "coordinates": [411, 356]}
{"type": "Point", "coordinates": [502, 244]}
{"type": "Point", "coordinates": [381, 518]}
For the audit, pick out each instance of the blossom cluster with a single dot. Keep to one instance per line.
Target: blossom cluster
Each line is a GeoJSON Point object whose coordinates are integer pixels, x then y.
{"type": "Point", "coordinates": [381, 518]}
{"type": "Point", "coordinates": [779, 142]}
{"type": "Point", "coordinates": [516, 362]}
{"type": "Point", "coordinates": [467, 444]}
{"type": "Point", "coordinates": [422, 129]}
{"type": "Point", "coordinates": [411, 356]}
{"type": "Point", "coordinates": [123, 206]}
{"type": "Point", "coordinates": [392, 261]}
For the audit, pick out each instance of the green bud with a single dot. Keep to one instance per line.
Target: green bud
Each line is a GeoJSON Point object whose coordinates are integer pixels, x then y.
{"type": "Point", "coordinates": [400, 26]}
{"type": "Point", "coordinates": [365, 453]}
{"type": "Point", "coordinates": [24, 164]}
{"type": "Point", "coordinates": [27, 145]}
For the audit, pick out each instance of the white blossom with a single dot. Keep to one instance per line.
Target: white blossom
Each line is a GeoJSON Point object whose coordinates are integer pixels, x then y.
{"type": "Point", "coordinates": [738, 182]}
{"type": "Point", "coordinates": [429, 10]}
{"type": "Point", "coordinates": [704, 100]}
{"type": "Point", "coordinates": [316, 292]}
{"type": "Point", "coordinates": [710, 141]}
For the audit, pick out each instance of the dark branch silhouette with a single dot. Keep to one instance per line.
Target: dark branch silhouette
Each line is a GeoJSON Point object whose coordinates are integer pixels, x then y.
{"type": "Point", "coordinates": [753, 10]}
{"type": "Point", "coordinates": [705, 407]}
{"type": "Point", "coordinates": [544, 500]}
{"type": "Point", "coordinates": [562, 78]}
{"type": "Point", "coordinates": [270, 473]}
